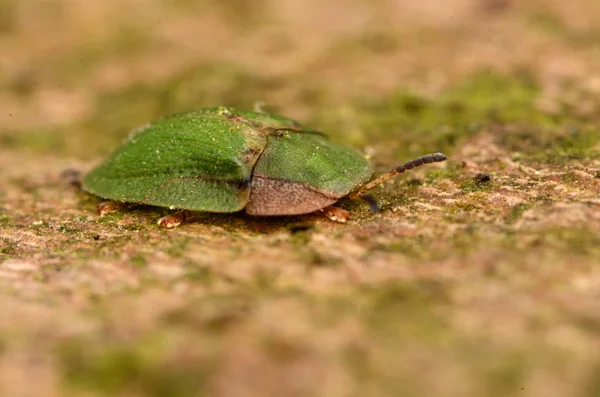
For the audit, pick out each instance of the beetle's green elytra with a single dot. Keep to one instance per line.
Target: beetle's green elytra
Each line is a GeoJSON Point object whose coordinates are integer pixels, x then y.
{"type": "Point", "coordinates": [227, 160]}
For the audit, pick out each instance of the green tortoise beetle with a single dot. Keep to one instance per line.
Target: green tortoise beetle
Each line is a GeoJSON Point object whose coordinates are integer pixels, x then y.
{"type": "Point", "coordinates": [227, 160]}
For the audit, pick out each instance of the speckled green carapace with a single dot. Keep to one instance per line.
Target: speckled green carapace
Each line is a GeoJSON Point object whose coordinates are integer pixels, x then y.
{"type": "Point", "coordinates": [226, 160]}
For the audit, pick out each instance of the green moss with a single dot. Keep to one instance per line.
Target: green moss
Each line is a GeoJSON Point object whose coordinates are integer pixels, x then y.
{"type": "Point", "coordinates": [417, 247]}
{"type": "Point", "coordinates": [130, 369]}
{"type": "Point", "coordinates": [264, 280]}
{"type": "Point", "coordinates": [486, 100]}
{"type": "Point", "coordinates": [422, 292]}
{"type": "Point", "coordinates": [451, 171]}
{"type": "Point", "coordinates": [488, 96]}
{"type": "Point", "coordinates": [547, 23]}
{"type": "Point", "coordinates": [215, 313]}
{"type": "Point", "coordinates": [68, 230]}
{"type": "Point", "coordinates": [5, 220]}
{"type": "Point", "coordinates": [314, 258]}
{"type": "Point", "coordinates": [516, 212]}
{"type": "Point", "coordinates": [578, 240]}
{"type": "Point", "coordinates": [8, 248]}
{"type": "Point", "coordinates": [198, 273]}
{"type": "Point", "coordinates": [139, 260]}
{"type": "Point", "coordinates": [463, 206]}
{"type": "Point", "coordinates": [370, 42]}
{"type": "Point", "coordinates": [418, 125]}
{"type": "Point", "coordinates": [42, 140]}
{"type": "Point", "coordinates": [555, 242]}
{"type": "Point", "coordinates": [402, 309]}
{"type": "Point", "coordinates": [569, 178]}
{"type": "Point", "coordinates": [474, 185]}
{"type": "Point", "coordinates": [177, 246]}
{"type": "Point", "coordinates": [467, 240]}
{"type": "Point", "coordinates": [553, 145]}
{"type": "Point", "coordinates": [592, 384]}
{"type": "Point", "coordinates": [553, 25]}
{"type": "Point", "coordinates": [574, 145]}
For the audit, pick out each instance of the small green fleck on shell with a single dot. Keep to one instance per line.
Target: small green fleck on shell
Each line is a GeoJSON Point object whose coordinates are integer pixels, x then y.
{"type": "Point", "coordinates": [225, 160]}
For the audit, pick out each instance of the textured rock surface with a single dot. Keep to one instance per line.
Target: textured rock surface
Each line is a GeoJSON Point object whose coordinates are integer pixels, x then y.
{"type": "Point", "coordinates": [460, 286]}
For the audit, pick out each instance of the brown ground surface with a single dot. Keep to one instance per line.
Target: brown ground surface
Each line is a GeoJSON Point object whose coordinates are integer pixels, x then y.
{"type": "Point", "coordinates": [458, 287]}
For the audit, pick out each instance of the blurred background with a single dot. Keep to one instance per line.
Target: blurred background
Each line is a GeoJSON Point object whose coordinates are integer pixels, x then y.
{"type": "Point", "coordinates": [359, 69]}
{"type": "Point", "coordinates": [478, 278]}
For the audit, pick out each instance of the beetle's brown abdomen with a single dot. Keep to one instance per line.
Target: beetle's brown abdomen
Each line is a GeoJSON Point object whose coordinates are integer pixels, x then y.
{"type": "Point", "coordinates": [270, 196]}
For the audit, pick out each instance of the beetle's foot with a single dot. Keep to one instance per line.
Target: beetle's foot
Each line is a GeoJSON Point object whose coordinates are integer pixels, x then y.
{"type": "Point", "coordinates": [173, 220]}
{"type": "Point", "coordinates": [336, 214]}
{"type": "Point", "coordinates": [108, 207]}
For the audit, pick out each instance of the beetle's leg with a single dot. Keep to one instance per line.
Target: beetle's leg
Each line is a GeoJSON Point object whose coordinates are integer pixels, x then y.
{"type": "Point", "coordinates": [173, 220]}
{"type": "Point", "coordinates": [367, 198]}
{"type": "Point", "coordinates": [336, 214]}
{"type": "Point", "coordinates": [419, 161]}
{"type": "Point", "coordinates": [108, 207]}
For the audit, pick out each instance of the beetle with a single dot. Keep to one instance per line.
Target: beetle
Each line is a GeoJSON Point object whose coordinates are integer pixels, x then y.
{"type": "Point", "coordinates": [227, 160]}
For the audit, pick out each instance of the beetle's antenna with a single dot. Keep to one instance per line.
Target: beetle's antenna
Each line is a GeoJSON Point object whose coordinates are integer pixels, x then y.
{"type": "Point", "coordinates": [427, 159]}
